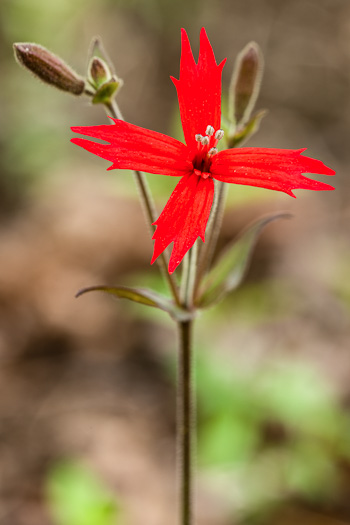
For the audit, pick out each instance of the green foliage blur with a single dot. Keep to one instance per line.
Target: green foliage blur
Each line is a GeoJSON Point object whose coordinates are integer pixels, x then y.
{"type": "Point", "coordinates": [76, 497]}
{"type": "Point", "coordinates": [270, 433]}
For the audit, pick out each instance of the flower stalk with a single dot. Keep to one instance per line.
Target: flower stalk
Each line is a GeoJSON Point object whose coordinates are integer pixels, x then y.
{"type": "Point", "coordinates": [212, 234]}
{"type": "Point", "coordinates": [112, 108]}
{"type": "Point", "coordinates": [185, 422]}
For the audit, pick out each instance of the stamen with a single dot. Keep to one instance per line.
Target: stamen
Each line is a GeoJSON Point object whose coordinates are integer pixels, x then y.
{"type": "Point", "coordinates": [198, 137]}
{"type": "Point", "coordinates": [209, 131]}
{"type": "Point", "coordinates": [212, 151]}
{"type": "Point", "coordinates": [219, 134]}
{"type": "Point", "coordinates": [205, 141]}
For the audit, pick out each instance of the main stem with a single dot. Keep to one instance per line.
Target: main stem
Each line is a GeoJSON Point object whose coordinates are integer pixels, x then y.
{"type": "Point", "coordinates": [185, 421]}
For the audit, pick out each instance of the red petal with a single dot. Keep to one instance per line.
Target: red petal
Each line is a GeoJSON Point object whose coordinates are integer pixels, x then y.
{"type": "Point", "coordinates": [199, 88]}
{"type": "Point", "coordinates": [184, 218]}
{"type": "Point", "coordinates": [133, 148]}
{"type": "Point", "coordinates": [274, 169]}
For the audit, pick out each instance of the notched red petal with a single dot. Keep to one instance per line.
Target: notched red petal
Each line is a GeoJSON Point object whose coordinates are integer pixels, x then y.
{"type": "Point", "coordinates": [135, 148]}
{"type": "Point", "coordinates": [198, 88]}
{"type": "Point", "coordinates": [184, 218]}
{"type": "Point", "coordinates": [274, 169]}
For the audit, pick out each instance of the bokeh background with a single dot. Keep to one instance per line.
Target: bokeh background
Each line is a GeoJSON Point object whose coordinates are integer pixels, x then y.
{"type": "Point", "coordinates": [87, 403]}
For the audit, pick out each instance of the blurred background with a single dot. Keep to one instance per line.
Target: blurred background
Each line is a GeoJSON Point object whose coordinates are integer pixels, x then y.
{"type": "Point", "coordinates": [87, 404]}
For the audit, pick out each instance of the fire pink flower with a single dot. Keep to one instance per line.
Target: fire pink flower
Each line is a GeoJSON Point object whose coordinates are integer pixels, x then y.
{"type": "Point", "coordinates": [197, 162]}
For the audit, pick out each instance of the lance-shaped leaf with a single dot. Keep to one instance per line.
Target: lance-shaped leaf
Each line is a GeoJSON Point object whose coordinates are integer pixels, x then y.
{"type": "Point", "coordinates": [143, 296]}
{"type": "Point", "coordinates": [229, 270]}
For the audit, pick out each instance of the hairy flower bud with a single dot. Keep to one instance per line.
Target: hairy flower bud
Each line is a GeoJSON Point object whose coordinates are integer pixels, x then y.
{"type": "Point", "coordinates": [101, 75]}
{"type": "Point", "coordinates": [48, 67]}
{"type": "Point", "coordinates": [99, 72]}
{"type": "Point", "coordinates": [245, 83]}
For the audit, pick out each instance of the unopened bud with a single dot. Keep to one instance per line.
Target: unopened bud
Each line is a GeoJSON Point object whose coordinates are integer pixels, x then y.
{"type": "Point", "coordinates": [99, 72]}
{"type": "Point", "coordinates": [245, 82]}
{"type": "Point", "coordinates": [49, 67]}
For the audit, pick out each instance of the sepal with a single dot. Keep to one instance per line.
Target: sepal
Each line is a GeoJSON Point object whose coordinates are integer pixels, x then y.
{"type": "Point", "coordinates": [230, 269]}
{"type": "Point", "coordinates": [107, 91]}
{"type": "Point", "coordinates": [145, 297]}
{"type": "Point", "coordinates": [241, 135]}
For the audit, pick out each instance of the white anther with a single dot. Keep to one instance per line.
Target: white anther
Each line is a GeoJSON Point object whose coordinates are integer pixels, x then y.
{"type": "Point", "coordinates": [219, 134]}
{"type": "Point", "coordinates": [198, 137]}
{"type": "Point", "coordinates": [205, 141]}
{"type": "Point", "coordinates": [209, 131]}
{"type": "Point", "coordinates": [212, 151]}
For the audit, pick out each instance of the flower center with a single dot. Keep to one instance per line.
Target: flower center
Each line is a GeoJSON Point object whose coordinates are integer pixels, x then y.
{"type": "Point", "coordinates": [206, 148]}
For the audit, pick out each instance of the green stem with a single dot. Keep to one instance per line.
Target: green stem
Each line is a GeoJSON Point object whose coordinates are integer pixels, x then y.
{"type": "Point", "coordinates": [192, 273]}
{"type": "Point", "coordinates": [149, 208]}
{"type": "Point", "coordinates": [185, 404]}
{"type": "Point", "coordinates": [184, 278]}
{"type": "Point", "coordinates": [212, 234]}
{"type": "Point", "coordinates": [185, 421]}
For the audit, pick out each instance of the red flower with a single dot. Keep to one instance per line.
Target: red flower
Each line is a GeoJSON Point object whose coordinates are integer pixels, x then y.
{"type": "Point", "coordinates": [197, 163]}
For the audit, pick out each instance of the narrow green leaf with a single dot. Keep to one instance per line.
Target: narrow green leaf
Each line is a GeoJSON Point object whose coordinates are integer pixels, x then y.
{"type": "Point", "coordinates": [228, 272]}
{"type": "Point", "coordinates": [143, 296]}
{"type": "Point", "coordinates": [139, 295]}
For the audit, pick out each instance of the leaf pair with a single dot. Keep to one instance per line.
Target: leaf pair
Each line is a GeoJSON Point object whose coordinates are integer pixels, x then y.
{"type": "Point", "coordinates": [225, 276]}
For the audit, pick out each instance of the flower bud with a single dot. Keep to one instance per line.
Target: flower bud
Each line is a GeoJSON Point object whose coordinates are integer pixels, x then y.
{"type": "Point", "coordinates": [245, 83]}
{"type": "Point", "coordinates": [99, 72]}
{"type": "Point", "coordinates": [101, 75]}
{"type": "Point", "coordinates": [48, 67]}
